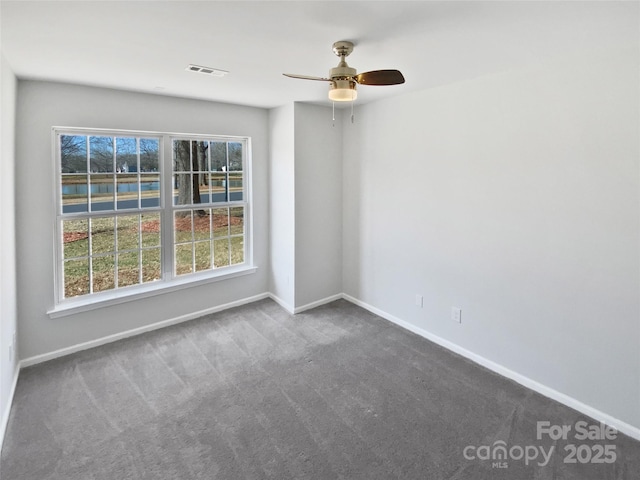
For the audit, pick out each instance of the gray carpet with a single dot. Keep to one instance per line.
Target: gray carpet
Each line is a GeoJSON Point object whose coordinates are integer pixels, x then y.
{"type": "Point", "coordinates": [255, 393]}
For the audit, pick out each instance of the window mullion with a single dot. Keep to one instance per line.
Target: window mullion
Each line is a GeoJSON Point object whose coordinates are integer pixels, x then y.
{"type": "Point", "coordinates": [138, 175]}
{"type": "Point", "coordinates": [193, 237]}
{"type": "Point", "coordinates": [116, 254]}
{"type": "Point", "coordinates": [88, 174]}
{"type": "Point", "coordinates": [208, 175]}
{"type": "Point", "coordinates": [168, 208]}
{"type": "Point", "coordinates": [90, 252]}
{"type": "Point", "coordinates": [193, 184]}
{"type": "Point", "coordinates": [140, 248]}
{"type": "Point", "coordinates": [227, 189]}
{"type": "Point", "coordinates": [114, 177]}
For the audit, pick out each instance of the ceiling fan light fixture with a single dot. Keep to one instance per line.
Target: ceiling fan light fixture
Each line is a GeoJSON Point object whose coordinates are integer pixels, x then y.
{"type": "Point", "coordinates": [343, 91]}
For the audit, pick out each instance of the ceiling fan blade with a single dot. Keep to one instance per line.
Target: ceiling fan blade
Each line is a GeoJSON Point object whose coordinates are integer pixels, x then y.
{"type": "Point", "coordinates": [380, 77]}
{"type": "Point", "coordinates": [307, 77]}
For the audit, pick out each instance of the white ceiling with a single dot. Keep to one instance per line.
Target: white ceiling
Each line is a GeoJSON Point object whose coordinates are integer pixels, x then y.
{"type": "Point", "coordinates": [146, 46]}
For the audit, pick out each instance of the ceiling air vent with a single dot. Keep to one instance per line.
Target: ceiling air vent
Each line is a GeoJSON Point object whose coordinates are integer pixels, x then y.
{"type": "Point", "coordinates": [214, 72]}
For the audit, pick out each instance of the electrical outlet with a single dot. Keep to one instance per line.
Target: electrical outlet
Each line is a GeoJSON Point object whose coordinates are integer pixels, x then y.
{"type": "Point", "coordinates": [419, 301]}
{"type": "Point", "coordinates": [456, 314]}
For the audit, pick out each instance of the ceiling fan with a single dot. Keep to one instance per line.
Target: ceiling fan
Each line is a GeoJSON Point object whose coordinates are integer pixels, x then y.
{"type": "Point", "coordinates": [343, 78]}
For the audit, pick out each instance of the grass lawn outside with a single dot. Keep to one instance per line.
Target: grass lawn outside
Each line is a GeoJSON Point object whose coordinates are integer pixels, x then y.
{"type": "Point", "coordinates": [125, 249]}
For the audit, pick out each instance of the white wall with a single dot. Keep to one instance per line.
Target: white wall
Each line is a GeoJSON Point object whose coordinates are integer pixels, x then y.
{"type": "Point", "coordinates": [305, 204]}
{"type": "Point", "coordinates": [318, 204]}
{"type": "Point", "coordinates": [281, 205]}
{"type": "Point", "coordinates": [7, 239]}
{"type": "Point", "coordinates": [42, 105]}
{"type": "Point", "coordinates": [516, 198]}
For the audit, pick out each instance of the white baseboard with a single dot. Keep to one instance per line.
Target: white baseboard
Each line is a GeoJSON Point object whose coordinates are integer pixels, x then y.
{"type": "Point", "coordinates": [282, 303]}
{"type": "Point", "coordinates": [317, 303]}
{"type": "Point", "coordinates": [619, 425]}
{"type": "Point", "coordinates": [172, 321]}
{"type": "Point", "coordinates": [137, 331]}
{"type": "Point", "coordinates": [4, 421]}
{"type": "Point", "coordinates": [308, 306]}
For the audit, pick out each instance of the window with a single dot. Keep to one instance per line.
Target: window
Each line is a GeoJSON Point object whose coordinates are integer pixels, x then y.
{"type": "Point", "coordinates": [138, 211]}
{"type": "Point", "coordinates": [207, 173]}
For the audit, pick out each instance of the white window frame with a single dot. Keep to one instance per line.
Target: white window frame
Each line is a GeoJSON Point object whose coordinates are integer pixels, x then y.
{"type": "Point", "coordinates": [169, 280]}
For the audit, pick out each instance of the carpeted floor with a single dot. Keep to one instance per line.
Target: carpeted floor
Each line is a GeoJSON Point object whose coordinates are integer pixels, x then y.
{"type": "Point", "coordinates": [255, 393]}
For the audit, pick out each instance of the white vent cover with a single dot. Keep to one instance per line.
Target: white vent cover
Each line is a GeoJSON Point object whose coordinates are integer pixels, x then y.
{"type": "Point", "coordinates": [214, 72]}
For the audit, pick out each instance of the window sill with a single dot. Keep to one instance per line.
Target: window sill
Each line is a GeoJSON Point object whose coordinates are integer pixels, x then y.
{"type": "Point", "coordinates": [115, 297]}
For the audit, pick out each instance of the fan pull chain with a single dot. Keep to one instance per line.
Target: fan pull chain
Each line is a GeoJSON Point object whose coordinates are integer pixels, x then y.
{"type": "Point", "coordinates": [352, 116]}
{"type": "Point", "coordinates": [334, 113]}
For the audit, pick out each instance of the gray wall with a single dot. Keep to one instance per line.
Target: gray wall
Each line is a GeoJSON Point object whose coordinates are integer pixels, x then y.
{"type": "Point", "coordinates": [516, 198]}
{"type": "Point", "coordinates": [42, 105]}
{"type": "Point", "coordinates": [318, 205]}
{"type": "Point", "coordinates": [8, 87]}
{"type": "Point", "coordinates": [305, 179]}
{"type": "Point", "coordinates": [281, 205]}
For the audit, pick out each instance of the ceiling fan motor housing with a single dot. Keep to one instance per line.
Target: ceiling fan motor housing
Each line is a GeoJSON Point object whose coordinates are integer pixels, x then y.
{"type": "Point", "coordinates": [342, 72]}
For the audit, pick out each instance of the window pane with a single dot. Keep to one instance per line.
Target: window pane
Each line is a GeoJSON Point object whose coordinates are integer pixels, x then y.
{"type": "Point", "coordinates": [126, 155]}
{"type": "Point", "coordinates": [101, 154]}
{"type": "Point", "coordinates": [127, 193]}
{"type": "Point", "coordinates": [236, 220]}
{"type": "Point", "coordinates": [221, 252]}
{"type": "Point", "coordinates": [184, 258]}
{"type": "Point", "coordinates": [182, 189]}
{"type": "Point", "coordinates": [202, 225]}
{"type": "Point", "coordinates": [103, 273]}
{"type": "Point", "coordinates": [150, 230]}
{"type": "Point", "coordinates": [128, 232]}
{"type": "Point", "coordinates": [102, 235]}
{"type": "Point", "coordinates": [151, 270]}
{"type": "Point", "coordinates": [149, 154]}
{"type": "Point", "coordinates": [181, 156]}
{"type": "Point", "coordinates": [237, 250]}
{"type": "Point", "coordinates": [235, 186]}
{"type": "Point", "coordinates": [75, 238]}
{"type": "Point", "coordinates": [218, 156]}
{"type": "Point", "coordinates": [74, 193]}
{"type": "Point", "coordinates": [73, 153]}
{"type": "Point", "coordinates": [220, 222]}
{"type": "Point", "coordinates": [203, 256]}
{"type": "Point", "coordinates": [128, 269]}
{"type": "Point", "coordinates": [150, 190]}
{"type": "Point", "coordinates": [76, 278]}
{"type": "Point", "coordinates": [200, 161]}
{"type": "Point", "coordinates": [218, 182]}
{"type": "Point", "coordinates": [203, 187]}
{"type": "Point", "coordinates": [183, 226]}
{"type": "Point", "coordinates": [101, 191]}
{"type": "Point", "coordinates": [235, 156]}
